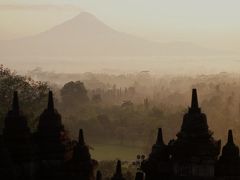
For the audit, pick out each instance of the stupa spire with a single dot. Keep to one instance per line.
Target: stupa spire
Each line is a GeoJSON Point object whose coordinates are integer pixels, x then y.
{"type": "Point", "coordinates": [230, 151]}
{"type": "Point", "coordinates": [119, 168]}
{"type": "Point", "coordinates": [81, 137]}
{"type": "Point", "coordinates": [15, 102]}
{"type": "Point", "coordinates": [159, 137]}
{"type": "Point", "coordinates": [118, 174]}
{"type": "Point", "coordinates": [50, 101]}
{"type": "Point", "coordinates": [194, 104]}
{"type": "Point", "coordinates": [230, 137]}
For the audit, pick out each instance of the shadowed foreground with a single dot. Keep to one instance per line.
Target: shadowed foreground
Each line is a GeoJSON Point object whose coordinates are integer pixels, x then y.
{"type": "Point", "coordinates": [50, 154]}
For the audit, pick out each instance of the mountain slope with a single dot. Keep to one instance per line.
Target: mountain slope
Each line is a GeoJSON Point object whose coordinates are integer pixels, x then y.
{"type": "Point", "coordinates": [85, 35]}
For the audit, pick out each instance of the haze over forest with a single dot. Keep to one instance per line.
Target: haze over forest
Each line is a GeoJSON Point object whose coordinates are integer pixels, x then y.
{"type": "Point", "coordinates": [121, 71]}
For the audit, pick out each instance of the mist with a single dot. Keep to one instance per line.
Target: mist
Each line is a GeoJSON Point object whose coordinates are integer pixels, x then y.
{"type": "Point", "coordinates": [124, 76]}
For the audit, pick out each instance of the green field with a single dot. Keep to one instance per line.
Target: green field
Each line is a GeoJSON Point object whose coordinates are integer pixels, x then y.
{"type": "Point", "coordinates": [112, 152]}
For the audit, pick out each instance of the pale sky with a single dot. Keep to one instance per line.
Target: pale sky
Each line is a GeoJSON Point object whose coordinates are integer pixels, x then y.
{"type": "Point", "coordinates": [211, 23]}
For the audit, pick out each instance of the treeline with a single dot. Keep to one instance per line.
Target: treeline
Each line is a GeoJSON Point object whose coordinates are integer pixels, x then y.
{"type": "Point", "coordinates": [127, 109]}
{"type": "Point", "coordinates": [167, 99]}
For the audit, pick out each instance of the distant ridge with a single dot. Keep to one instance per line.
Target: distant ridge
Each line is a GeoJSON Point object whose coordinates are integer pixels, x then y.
{"type": "Point", "coordinates": [86, 35]}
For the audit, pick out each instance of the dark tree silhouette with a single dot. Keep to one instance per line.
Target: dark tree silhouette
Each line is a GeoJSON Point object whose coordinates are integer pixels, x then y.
{"type": "Point", "coordinates": [74, 93]}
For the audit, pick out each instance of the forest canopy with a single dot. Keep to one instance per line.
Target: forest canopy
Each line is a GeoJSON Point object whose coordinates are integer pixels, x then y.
{"type": "Point", "coordinates": [125, 109]}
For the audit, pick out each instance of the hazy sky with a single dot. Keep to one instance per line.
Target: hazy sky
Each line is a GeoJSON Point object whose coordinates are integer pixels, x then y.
{"type": "Point", "coordinates": [212, 23]}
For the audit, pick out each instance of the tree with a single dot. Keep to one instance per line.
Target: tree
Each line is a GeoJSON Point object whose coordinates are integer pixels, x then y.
{"type": "Point", "coordinates": [74, 93]}
{"type": "Point", "coordinates": [97, 98]}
